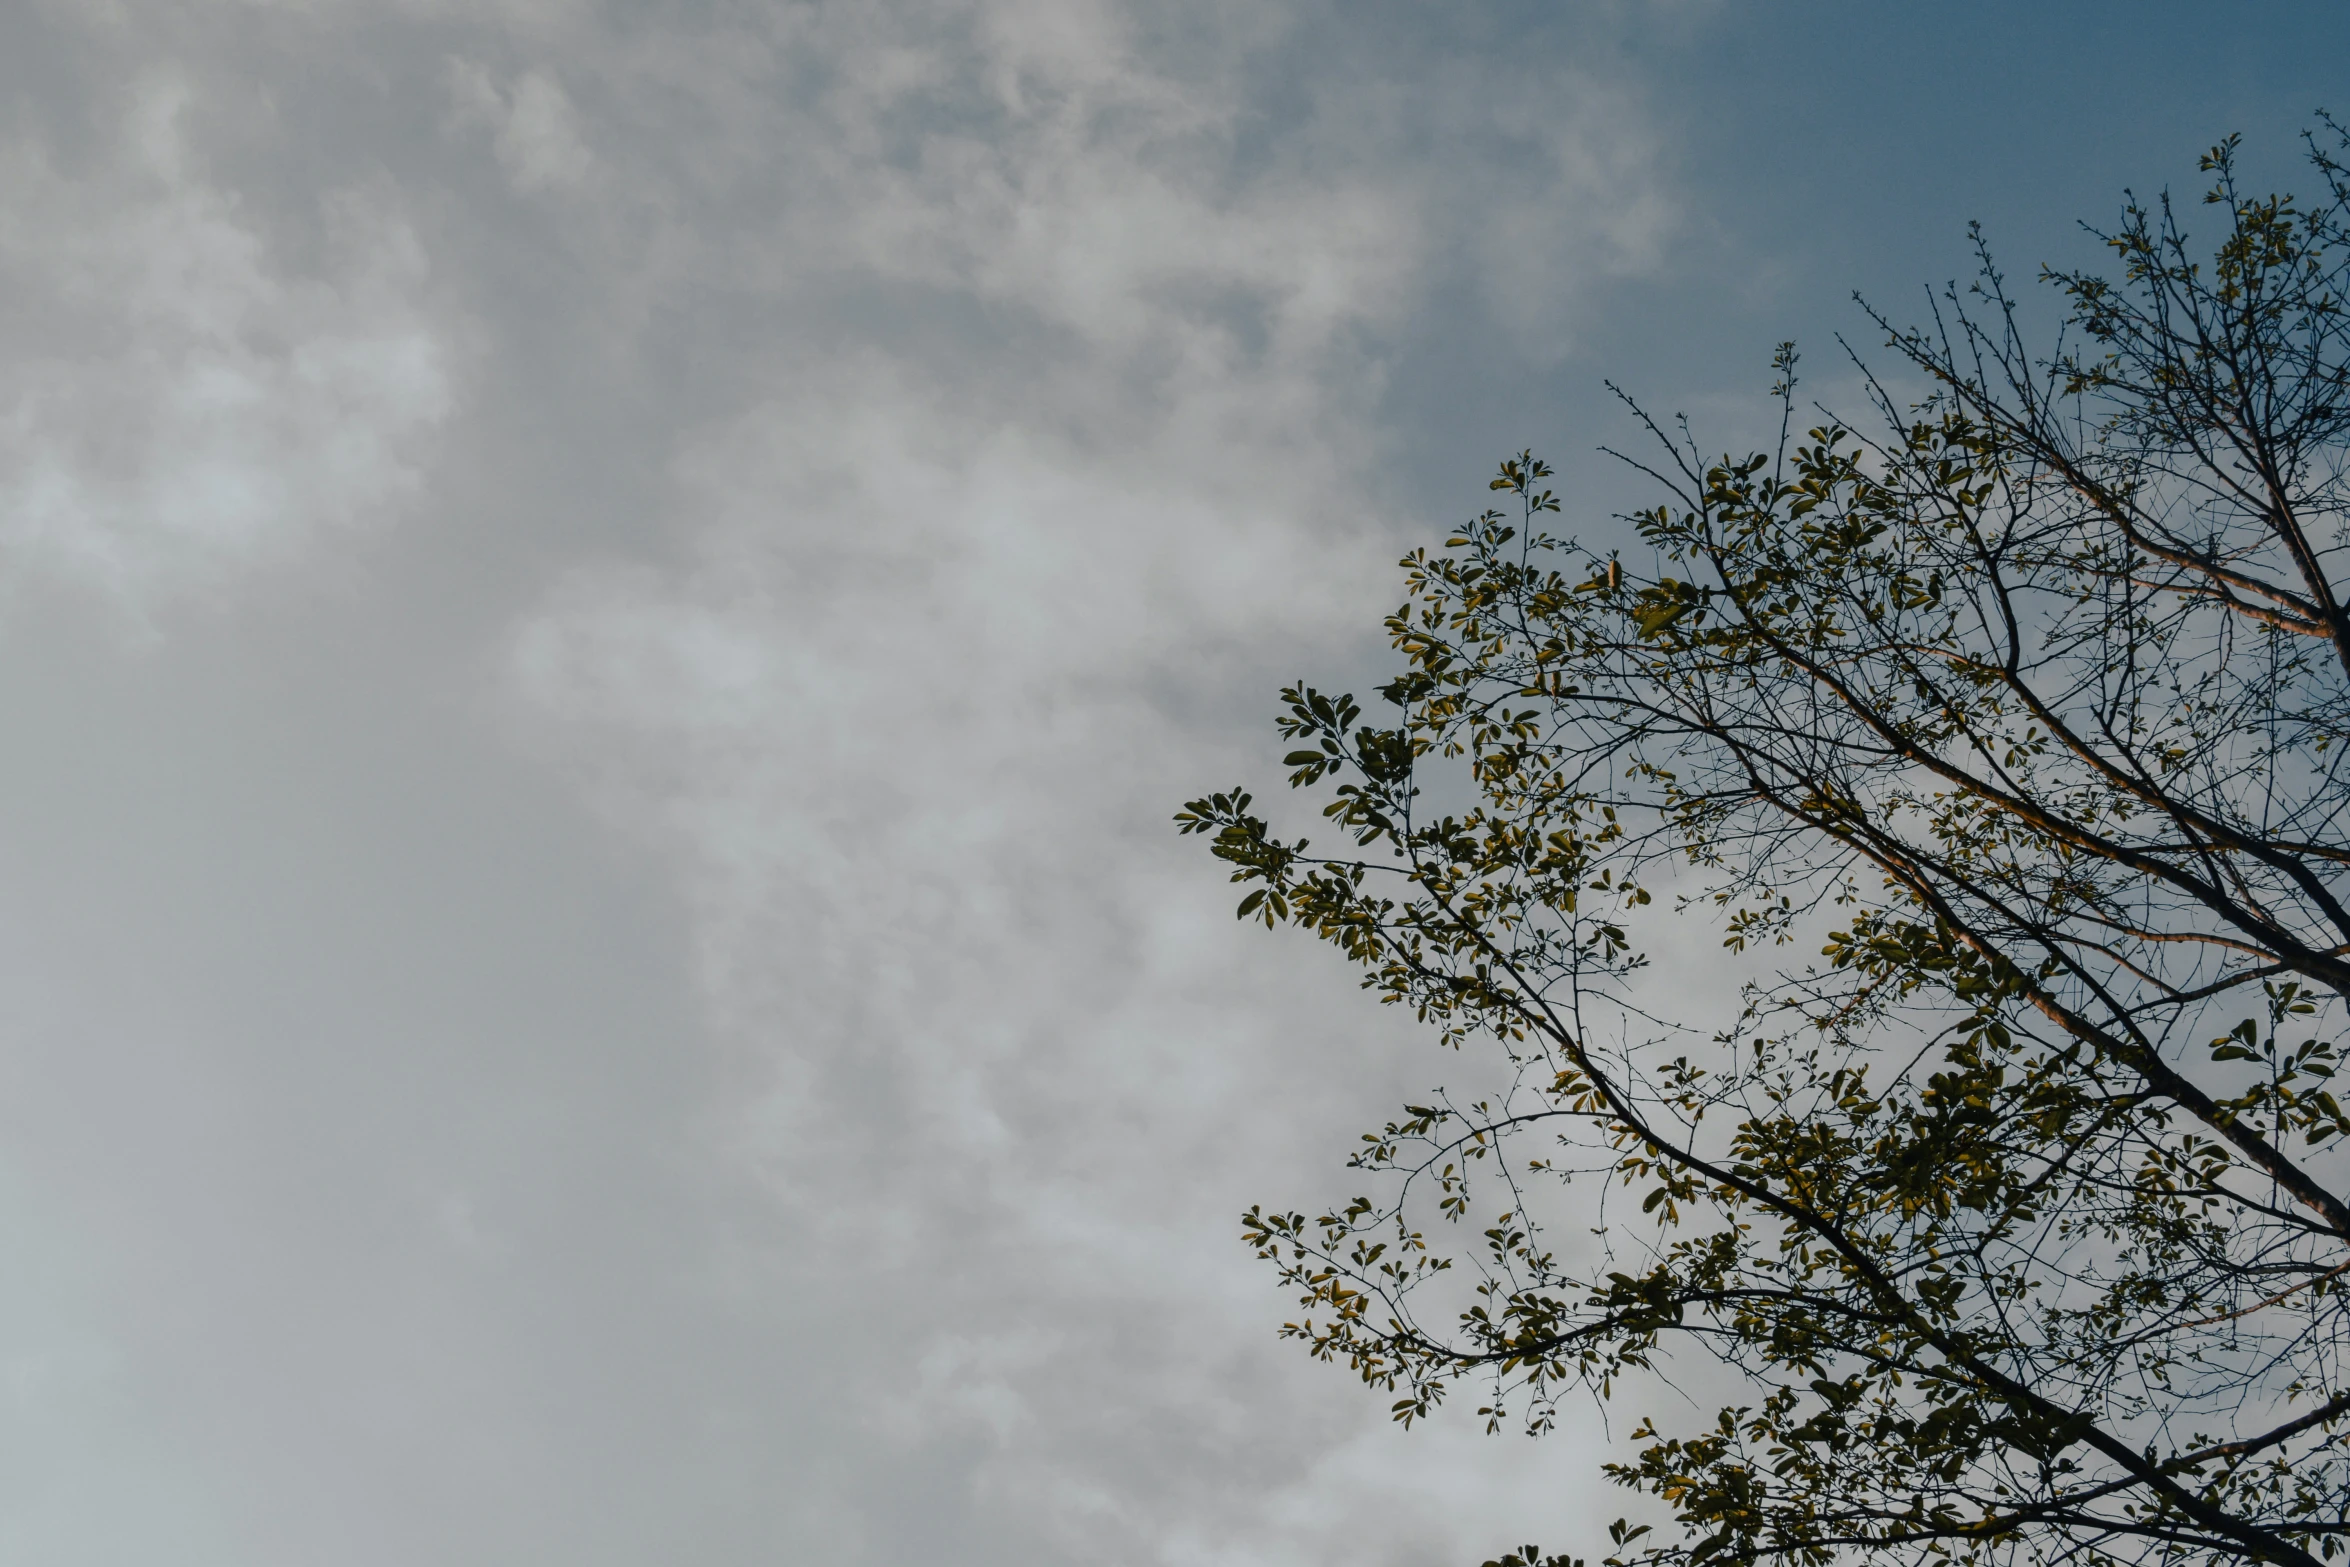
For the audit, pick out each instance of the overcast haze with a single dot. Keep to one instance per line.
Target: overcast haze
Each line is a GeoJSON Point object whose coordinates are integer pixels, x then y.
{"type": "Point", "coordinates": [603, 609]}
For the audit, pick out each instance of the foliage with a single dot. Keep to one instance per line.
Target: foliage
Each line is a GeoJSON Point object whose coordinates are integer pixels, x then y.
{"type": "Point", "coordinates": [2016, 1209]}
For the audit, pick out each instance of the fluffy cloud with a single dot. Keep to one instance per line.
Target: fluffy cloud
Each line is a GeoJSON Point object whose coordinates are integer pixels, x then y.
{"type": "Point", "coordinates": [180, 404]}
{"type": "Point", "coordinates": [903, 449]}
{"type": "Point", "coordinates": [963, 613]}
{"type": "Point", "coordinates": [912, 724]}
{"type": "Point", "coordinates": [531, 124]}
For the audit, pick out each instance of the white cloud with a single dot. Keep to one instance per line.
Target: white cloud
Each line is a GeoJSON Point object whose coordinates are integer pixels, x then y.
{"type": "Point", "coordinates": [954, 635]}
{"type": "Point", "coordinates": [1011, 376]}
{"type": "Point", "coordinates": [179, 404]}
{"type": "Point", "coordinates": [531, 122]}
{"type": "Point", "coordinates": [914, 724]}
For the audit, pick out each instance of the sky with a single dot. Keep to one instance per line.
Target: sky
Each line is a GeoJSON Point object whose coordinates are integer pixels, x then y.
{"type": "Point", "coordinates": [602, 611]}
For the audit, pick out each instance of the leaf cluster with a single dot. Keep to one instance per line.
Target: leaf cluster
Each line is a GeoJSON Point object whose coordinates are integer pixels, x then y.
{"type": "Point", "coordinates": [1998, 734]}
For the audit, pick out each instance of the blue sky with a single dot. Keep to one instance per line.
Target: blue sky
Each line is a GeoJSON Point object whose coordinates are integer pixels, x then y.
{"type": "Point", "coordinates": [603, 610]}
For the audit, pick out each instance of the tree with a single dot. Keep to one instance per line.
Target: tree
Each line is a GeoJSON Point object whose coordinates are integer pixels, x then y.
{"type": "Point", "coordinates": [2020, 1208]}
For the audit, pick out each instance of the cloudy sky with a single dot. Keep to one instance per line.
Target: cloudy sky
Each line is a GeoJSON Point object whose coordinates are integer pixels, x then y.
{"type": "Point", "coordinates": [602, 607]}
